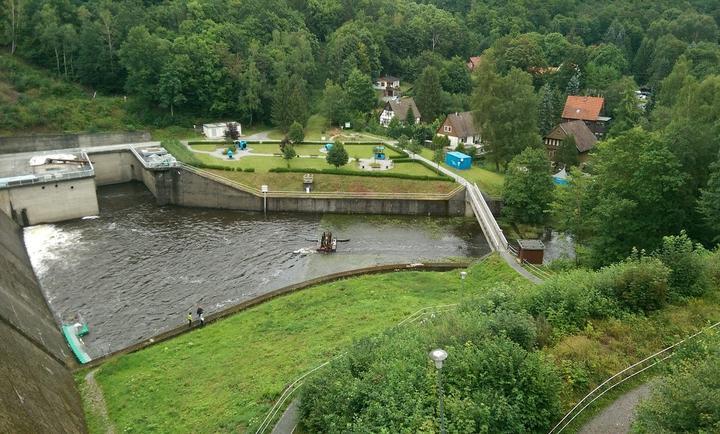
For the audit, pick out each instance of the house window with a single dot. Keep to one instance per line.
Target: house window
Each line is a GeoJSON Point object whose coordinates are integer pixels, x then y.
{"type": "Point", "coordinates": [447, 129]}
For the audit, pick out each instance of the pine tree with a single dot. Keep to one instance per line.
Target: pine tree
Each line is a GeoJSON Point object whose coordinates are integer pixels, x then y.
{"type": "Point", "coordinates": [428, 94]}
{"type": "Point", "coordinates": [360, 93]}
{"type": "Point", "coordinates": [282, 115]}
{"type": "Point", "coordinates": [337, 155]}
{"type": "Point", "coordinates": [549, 111]}
{"type": "Point", "coordinates": [709, 202]}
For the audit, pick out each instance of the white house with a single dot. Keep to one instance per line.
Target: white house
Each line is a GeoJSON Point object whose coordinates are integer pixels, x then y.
{"type": "Point", "coordinates": [460, 128]}
{"type": "Point", "coordinates": [217, 131]}
{"type": "Point", "coordinates": [399, 108]}
{"type": "Point", "coordinates": [387, 81]}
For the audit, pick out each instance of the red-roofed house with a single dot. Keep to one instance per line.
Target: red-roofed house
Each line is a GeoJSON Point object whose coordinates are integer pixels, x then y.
{"type": "Point", "coordinates": [587, 109]}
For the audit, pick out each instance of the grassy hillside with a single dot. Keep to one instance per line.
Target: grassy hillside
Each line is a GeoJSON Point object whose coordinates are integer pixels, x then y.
{"type": "Point", "coordinates": [31, 101]}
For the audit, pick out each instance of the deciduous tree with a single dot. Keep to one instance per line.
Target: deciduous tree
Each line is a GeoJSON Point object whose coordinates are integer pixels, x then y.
{"type": "Point", "coordinates": [528, 187]}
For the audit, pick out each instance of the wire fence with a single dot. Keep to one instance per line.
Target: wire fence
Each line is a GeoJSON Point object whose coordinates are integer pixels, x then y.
{"type": "Point", "coordinates": [620, 377]}
{"type": "Point", "coordinates": [271, 415]}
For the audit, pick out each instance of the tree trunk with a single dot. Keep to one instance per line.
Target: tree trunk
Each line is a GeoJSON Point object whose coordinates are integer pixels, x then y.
{"type": "Point", "coordinates": [13, 25]}
{"type": "Point", "coordinates": [172, 112]}
{"type": "Point", "coordinates": [57, 60]}
{"type": "Point", "coordinates": [65, 62]}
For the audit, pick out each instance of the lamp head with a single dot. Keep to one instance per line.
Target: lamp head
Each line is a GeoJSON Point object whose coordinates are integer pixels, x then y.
{"type": "Point", "coordinates": [438, 356]}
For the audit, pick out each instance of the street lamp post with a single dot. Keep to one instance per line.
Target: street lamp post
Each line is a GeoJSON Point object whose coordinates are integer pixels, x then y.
{"type": "Point", "coordinates": [463, 275]}
{"type": "Point", "coordinates": [438, 356]}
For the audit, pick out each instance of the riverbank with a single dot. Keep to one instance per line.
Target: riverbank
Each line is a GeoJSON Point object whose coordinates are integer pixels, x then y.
{"type": "Point", "coordinates": [224, 377]}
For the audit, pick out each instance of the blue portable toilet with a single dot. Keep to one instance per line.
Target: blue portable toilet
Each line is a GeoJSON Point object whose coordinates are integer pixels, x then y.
{"type": "Point", "coordinates": [458, 160]}
{"type": "Point", "coordinates": [328, 146]}
{"type": "Point", "coordinates": [561, 178]}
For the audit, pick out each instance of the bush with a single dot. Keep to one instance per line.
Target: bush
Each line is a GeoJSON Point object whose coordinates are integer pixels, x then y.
{"type": "Point", "coordinates": [347, 172]}
{"type": "Point", "coordinates": [568, 300]}
{"type": "Point", "coordinates": [249, 170]}
{"type": "Point", "coordinates": [640, 283]}
{"type": "Point", "coordinates": [180, 152]}
{"type": "Point", "coordinates": [296, 134]}
{"type": "Point", "coordinates": [337, 155]}
{"type": "Point", "coordinates": [387, 383]}
{"type": "Point", "coordinates": [688, 273]}
{"type": "Point", "coordinates": [683, 402]}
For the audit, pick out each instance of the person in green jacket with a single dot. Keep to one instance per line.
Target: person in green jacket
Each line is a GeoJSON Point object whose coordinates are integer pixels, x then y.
{"type": "Point", "coordinates": [189, 318]}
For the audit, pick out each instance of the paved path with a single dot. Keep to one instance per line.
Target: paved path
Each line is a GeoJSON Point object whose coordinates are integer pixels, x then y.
{"type": "Point", "coordinates": [289, 419]}
{"type": "Point", "coordinates": [617, 418]}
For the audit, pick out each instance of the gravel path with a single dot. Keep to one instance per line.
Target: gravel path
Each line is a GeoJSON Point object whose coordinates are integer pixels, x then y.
{"type": "Point", "coordinates": [97, 401]}
{"type": "Point", "coordinates": [617, 418]}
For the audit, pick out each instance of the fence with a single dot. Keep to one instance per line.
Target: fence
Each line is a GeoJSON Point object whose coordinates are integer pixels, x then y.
{"type": "Point", "coordinates": [619, 378]}
{"type": "Point", "coordinates": [270, 416]}
{"type": "Point", "coordinates": [29, 179]}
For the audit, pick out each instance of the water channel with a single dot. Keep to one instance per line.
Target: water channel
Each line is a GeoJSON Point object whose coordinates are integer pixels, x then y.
{"type": "Point", "coordinates": [138, 269]}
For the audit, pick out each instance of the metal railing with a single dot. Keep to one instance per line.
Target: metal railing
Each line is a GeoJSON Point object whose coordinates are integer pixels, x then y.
{"type": "Point", "coordinates": [619, 378]}
{"type": "Point", "coordinates": [270, 416]}
{"type": "Point", "coordinates": [49, 177]}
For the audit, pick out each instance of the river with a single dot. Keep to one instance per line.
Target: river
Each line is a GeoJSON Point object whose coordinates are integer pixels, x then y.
{"type": "Point", "coordinates": [137, 269]}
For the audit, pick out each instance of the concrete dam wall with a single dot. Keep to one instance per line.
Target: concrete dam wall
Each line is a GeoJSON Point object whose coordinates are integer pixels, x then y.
{"type": "Point", "coordinates": [48, 142]}
{"type": "Point", "coordinates": [37, 391]}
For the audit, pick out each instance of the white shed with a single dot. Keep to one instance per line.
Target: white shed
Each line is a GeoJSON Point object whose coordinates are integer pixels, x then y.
{"type": "Point", "coordinates": [217, 131]}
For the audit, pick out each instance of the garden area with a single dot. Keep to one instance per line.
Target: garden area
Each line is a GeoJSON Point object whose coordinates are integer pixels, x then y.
{"type": "Point", "coordinates": [265, 164]}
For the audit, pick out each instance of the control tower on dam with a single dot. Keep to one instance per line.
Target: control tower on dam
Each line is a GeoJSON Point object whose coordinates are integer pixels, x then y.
{"type": "Point", "coordinates": [46, 187]}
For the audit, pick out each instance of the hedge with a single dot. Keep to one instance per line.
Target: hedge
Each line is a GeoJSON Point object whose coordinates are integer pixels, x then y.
{"type": "Point", "coordinates": [368, 174]}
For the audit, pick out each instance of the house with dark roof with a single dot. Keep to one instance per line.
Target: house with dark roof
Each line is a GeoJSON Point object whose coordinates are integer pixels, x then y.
{"type": "Point", "coordinates": [389, 85]}
{"type": "Point", "coordinates": [584, 138]}
{"type": "Point", "coordinates": [588, 109]}
{"type": "Point", "coordinates": [399, 108]}
{"type": "Point", "coordinates": [460, 128]}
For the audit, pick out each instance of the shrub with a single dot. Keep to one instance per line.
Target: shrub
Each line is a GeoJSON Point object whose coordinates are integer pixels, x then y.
{"type": "Point", "coordinates": [638, 283]}
{"type": "Point", "coordinates": [386, 383]}
{"type": "Point", "coordinates": [296, 134]}
{"type": "Point", "coordinates": [688, 274]}
{"type": "Point", "coordinates": [684, 402]}
{"type": "Point", "coordinates": [337, 155]}
{"type": "Point", "coordinates": [347, 172]}
{"type": "Point", "coordinates": [249, 169]}
{"type": "Point", "coordinates": [568, 300]}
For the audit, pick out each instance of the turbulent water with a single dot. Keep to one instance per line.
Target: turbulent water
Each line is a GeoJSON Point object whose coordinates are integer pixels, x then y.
{"type": "Point", "coordinates": [138, 269]}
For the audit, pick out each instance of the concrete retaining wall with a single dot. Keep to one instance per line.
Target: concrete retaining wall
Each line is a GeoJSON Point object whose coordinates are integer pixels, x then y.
{"type": "Point", "coordinates": [114, 167]}
{"type": "Point", "coordinates": [37, 391]}
{"type": "Point", "coordinates": [53, 202]}
{"type": "Point", "coordinates": [190, 189]}
{"type": "Point", "coordinates": [46, 142]}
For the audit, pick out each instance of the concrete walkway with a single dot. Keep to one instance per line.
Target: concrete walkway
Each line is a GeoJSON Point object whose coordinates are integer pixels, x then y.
{"type": "Point", "coordinates": [618, 416]}
{"type": "Point", "coordinates": [289, 419]}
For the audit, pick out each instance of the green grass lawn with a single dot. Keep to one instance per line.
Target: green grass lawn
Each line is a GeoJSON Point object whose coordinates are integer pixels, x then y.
{"type": "Point", "coordinates": [337, 183]}
{"type": "Point", "coordinates": [489, 181]}
{"type": "Point", "coordinates": [225, 377]}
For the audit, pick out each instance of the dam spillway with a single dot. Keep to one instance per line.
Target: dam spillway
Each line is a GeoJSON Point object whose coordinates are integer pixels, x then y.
{"type": "Point", "coordinates": [138, 268]}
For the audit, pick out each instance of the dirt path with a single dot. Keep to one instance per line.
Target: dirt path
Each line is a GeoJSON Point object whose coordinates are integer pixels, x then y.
{"type": "Point", "coordinates": [97, 401]}
{"type": "Point", "coordinates": [617, 418]}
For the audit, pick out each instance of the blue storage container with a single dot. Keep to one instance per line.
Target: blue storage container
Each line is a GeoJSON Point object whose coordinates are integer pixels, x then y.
{"type": "Point", "coordinates": [458, 160]}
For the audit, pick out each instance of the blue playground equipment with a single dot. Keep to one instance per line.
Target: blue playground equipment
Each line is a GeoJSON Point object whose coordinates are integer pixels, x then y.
{"type": "Point", "coordinates": [458, 160]}
{"type": "Point", "coordinates": [328, 146]}
{"type": "Point", "coordinates": [230, 154]}
{"type": "Point", "coordinates": [379, 152]}
{"type": "Point", "coordinates": [240, 145]}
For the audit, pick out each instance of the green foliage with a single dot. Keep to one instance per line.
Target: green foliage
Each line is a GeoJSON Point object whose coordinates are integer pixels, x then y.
{"type": "Point", "coordinates": [363, 173]}
{"type": "Point", "coordinates": [683, 401]}
{"type": "Point", "coordinates": [360, 93]}
{"type": "Point", "coordinates": [337, 155]}
{"type": "Point", "coordinates": [688, 276]}
{"type": "Point", "coordinates": [567, 153]}
{"type": "Point", "coordinates": [428, 94]}
{"type": "Point", "coordinates": [638, 283]}
{"type": "Point", "coordinates": [505, 110]}
{"type": "Point", "coordinates": [288, 153]}
{"type": "Point", "coordinates": [334, 103]}
{"type": "Point", "coordinates": [296, 134]}
{"type": "Point", "coordinates": [386, 383]}
{"type": "Point", "coordinates": [181, 152]}
{"type": "Point", "coordinates": [528, 188]}
{"type": "Point", "coordinates": [709, 202]}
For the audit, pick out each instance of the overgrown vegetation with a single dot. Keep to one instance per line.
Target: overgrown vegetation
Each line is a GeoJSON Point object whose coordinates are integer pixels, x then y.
{"type": "Point", "coordinates": [576, 306]}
